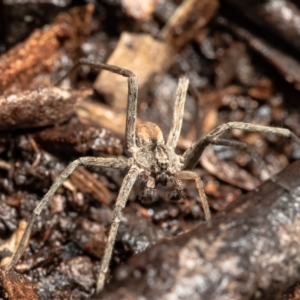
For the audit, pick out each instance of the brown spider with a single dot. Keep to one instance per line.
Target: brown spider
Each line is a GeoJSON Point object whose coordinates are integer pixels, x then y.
{"type": "Point", "coordinates": [153, 160]}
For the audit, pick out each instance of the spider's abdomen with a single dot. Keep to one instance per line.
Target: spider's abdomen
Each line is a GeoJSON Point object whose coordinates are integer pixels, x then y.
{"type": "Point", "coordinates": [148, 133]}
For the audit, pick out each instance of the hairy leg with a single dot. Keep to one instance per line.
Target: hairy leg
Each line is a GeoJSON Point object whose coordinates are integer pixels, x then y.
{"type": "Point", "coordinates": [192, 155]}
{"type": "Point", "coordinates": [86, 161]}
{"type": "Point", "coordinates": [200, 188]}
{"type": "Point", "coordinates": [127, 184]}
{"type": "Point", "coordinates": [132, 93]}
{"type": "Point", "coordinates": [178, 112]}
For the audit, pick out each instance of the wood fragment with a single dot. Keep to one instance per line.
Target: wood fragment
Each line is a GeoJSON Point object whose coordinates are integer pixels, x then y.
{"type": "Point", "coordinates": [29, 109]}
{"type": "Point", "coordinates": [17, 287]}
{"type": "Point", "coordinates": [138, 53]}
{"type": "Point", "coordinates": [228, 171]}
{"type": "Point", "coordinates": [148, 57]}
{"type": "Point", "coordinates": [27, 66]}
{"type": "Point", "coordinates": [11, 244]}
{"type": "Point", "coordinates": [188, 19]}
{"type": "Point", "coordinates": [77, 137]}
{"type": "Point", "coordinates": [253, 248]}
{"type": "Point", "coordinates": [87, 183]}
{"type": "Point", "coordinates": [23, 62]}
{"type": "Point", "coordinates": [286, 65]}
{"type": "Point", "coordinates": [141, 10]}
{"type": "Point", "coordinates": [273, 16]}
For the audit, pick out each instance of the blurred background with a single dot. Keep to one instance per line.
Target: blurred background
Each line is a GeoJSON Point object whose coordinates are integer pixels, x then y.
{"type": "Point", "coordinates": [242, 60]}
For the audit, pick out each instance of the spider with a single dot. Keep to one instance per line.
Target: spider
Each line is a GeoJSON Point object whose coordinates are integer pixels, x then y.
{"type": "Point", "coordinates": [153, 160]}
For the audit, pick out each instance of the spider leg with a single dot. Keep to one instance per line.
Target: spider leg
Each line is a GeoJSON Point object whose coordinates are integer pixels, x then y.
{"type": "Point", "coordinates": [87, 161]}
{"type": "Point", "coordinates": [192, 155]}
{"type": "Point", "coordinates": [200, 188]}
{"type": "Point", "coordinates": [244, 146]}
{"type": "Point", "coordinates": [178, 112]}
{"type": "Point", "coordinates": [132, 94]}
{"type": "Point", "coordinates": [127, 184]}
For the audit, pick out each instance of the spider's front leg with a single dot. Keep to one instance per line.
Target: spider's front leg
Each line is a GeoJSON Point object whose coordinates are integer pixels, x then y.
{"type": "Point", "coordinates": [132, 94]}
{"type": "Point", "coordinates": [86, 161]}
{"type": "Point", "coordinates": [172, 142]}
{"type": "Point", "coordinates": [192, 155]}
{"type": "Point", "coordinates": [130, 134]}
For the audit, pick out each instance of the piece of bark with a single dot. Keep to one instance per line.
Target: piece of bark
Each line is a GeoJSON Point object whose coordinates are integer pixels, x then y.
{"type": "Point", "coordinates": [102, 115]}
{"type": "Point", "coordinates": [148, 57]}
{"type": "Point", "coordinates": [27, 66]}
{"type": "Point", "coordinates": [286, 65]}
{"type": "Point", "coordinates": [17, 287]}
{"type": "Point", "coordinates": [10, 246]}
{"type": "Point", "coordinates": [262, 90]}
{"type": "Point", "coordinates": [188, 19]}
{"type": "Point", "coordinates": [227, 171]}
{"type": "Point", "coordinates": [14, 17]}
{"type": "Point", "coordinates": [280, 17]}
{"type": "Point", "coordinates": [76, 137]}
{"type": "Point", "coordinates": [30, 109]}
{"type": "Point", "coordinates": [293, 293]}
{"type": "Point", "coordinates": [86, 183]}
{"type": "Point", "coordinates": [141, 10]}
{"type": "Point", "coordinates": [164, 10]}
{"type": "Point", "coordinates": [233, 61]}
{"type": "Point", "coordinates": [91, 237]}
{"type": "Point", "coordinates": [140, 53]}
{"type": "Point", "coordinates": [32, 57]}
{"type": "Point", "coordinates": [252, 249]}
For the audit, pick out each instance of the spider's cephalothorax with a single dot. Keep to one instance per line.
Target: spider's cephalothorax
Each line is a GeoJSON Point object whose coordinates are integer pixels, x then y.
{"type": "Point", "coordinates": [156, 160]}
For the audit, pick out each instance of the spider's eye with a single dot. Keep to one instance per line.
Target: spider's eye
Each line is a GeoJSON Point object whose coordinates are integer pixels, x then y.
{"type": "Point", "coordinates": [163, 165]}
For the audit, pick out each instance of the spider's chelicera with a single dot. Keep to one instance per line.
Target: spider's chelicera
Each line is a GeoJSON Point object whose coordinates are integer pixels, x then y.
{"type": "Point", "coordinates": [153, 160]}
